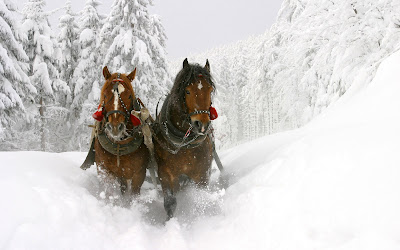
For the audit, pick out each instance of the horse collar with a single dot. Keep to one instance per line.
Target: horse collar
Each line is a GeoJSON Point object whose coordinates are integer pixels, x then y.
{"type": "Point", "coordinates": [124, 147]}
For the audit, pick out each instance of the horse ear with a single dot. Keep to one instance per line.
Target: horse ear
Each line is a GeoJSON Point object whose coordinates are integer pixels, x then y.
{"type": "Point", "coordinates": [106, 73]}
{"type": "Point", "coordinates": [207, 66]}
{"type": "Point", "coordinates": [132, 75]}
{"type": "Point", "coordinates": [185, 63]}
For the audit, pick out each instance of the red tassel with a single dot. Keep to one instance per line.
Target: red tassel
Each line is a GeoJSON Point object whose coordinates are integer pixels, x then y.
{"type": "Point", "coordinates": [98, 115]}
{"type": "Point", "coordinates": [135, 121]}
{"type": "Point", "coordinates": [213, 113]}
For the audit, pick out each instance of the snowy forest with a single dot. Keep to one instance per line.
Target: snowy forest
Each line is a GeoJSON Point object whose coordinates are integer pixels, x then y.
{"type": "Point", "coordinates": [282, 79]}
{"type": "Point", "coordinates": [50, 83]}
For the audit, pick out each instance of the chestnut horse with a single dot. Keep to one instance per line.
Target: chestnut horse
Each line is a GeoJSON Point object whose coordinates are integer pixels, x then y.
{"type": "Point", "coordinates": [119, 149]}
{"type": "Point", "coordinates": [182, 133]}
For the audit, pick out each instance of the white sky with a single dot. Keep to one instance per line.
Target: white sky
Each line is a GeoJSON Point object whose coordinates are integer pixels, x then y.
{"type": "Point", "coordinates": [194, 26]}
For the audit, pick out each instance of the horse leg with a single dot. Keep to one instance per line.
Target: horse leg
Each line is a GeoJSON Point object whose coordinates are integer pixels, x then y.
{"type": "Point", "coordinates": [201, 181]}
{"type": "Point", "coordinates": [137, 181]}
{"type": "Point", "coordinates": [184, 181]}
{"type": "Point", "coordinates": [135, 189]}
{"type": "Point", "coordinates": [169, 203]}
{"type": "Point", "coordinates": [124, 184]}
{"type": "Point", "coordinates": [108, 180]}
{"type": "Point", "coordinates": [169, 187]}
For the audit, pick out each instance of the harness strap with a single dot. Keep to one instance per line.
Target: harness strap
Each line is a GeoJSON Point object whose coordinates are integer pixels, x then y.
{"type": "Point", "coordinates": [199, 112]}
{"type": "Point", "coordinates": [127, 114]}
{"type": "Point", "coordinates": [118, 112]}
{"type": "Point", "coordinates": [122, 148]}
{"type": "Point", "coordinates": [118, 155]}
{"type": "Point", "coordinates": [174, 137]}
{"type": "Point", "coordinates": [216, 158]}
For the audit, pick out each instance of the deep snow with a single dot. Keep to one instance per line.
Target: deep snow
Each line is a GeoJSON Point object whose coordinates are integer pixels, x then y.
{"type": "Point", "coordinates": [333, 184]}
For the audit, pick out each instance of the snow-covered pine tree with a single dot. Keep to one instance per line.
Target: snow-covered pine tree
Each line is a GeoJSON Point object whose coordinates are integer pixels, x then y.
{"type": "Point", "coordinates": [324, 46]}
{"type": "Point", "coordinates": [306, 61]}
{"type": "Point", "coordinates": [227, 93]}
{"type": "Point", "coordinates": [68, 40]}
{"type": "Point", "coordinates": [43, 53]}
{"type": "Point", "coordinates": [240, 104]}
{"type": "Point", "coordinates": [87, 75]}
{"type": "Point", "coordinates": [15, 86]}
{"type": "Point", "coordinates": [134, 38]}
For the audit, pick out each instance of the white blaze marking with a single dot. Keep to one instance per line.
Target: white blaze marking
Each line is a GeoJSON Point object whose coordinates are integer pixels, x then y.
{"type": "Point", "coordinates": [200, 86]}
{"type": "Point", "coordinates": [121, 88]}
{"type": "Point", "coordinates": [116, 98]}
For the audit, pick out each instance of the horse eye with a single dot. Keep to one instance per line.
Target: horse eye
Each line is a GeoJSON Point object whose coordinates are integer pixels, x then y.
{"type": "Point", "coordinates": [188, 92]}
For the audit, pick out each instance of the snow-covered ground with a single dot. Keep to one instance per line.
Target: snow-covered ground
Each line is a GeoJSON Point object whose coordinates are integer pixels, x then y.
{"type": "Point", "coordinates": [334, 184]}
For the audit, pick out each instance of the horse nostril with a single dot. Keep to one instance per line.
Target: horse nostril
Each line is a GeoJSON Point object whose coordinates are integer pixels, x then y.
{"type": "Point", "coordinates": [108, 126]}
{"type": "Point", "coordinates": [121, 127]}
{"type": "Point", "coordinates": [197, 124]}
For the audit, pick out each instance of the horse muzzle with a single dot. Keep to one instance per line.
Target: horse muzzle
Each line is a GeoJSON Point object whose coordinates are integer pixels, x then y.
{"type": "Point", "coordinates": [200, 127]}
{"type": "Point", "coordinates": [116, 132]}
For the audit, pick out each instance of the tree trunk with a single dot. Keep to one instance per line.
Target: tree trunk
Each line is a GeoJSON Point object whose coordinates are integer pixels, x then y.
{"type": "Point", "coordinates": [42, 131]}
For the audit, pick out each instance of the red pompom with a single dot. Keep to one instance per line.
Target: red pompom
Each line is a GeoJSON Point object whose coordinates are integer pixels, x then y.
{"type": "Point", "coordinates": [98, 115]}
{"type": "Point", "coordinates": [135, 121]}
{"type": "Point", "coordinates": [213, 113]}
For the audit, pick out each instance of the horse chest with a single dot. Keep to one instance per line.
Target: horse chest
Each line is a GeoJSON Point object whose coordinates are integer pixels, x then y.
{"type": "Point", "coordinates": [130, 165]}
{"type": "Point", "coordinates": [186, 160]}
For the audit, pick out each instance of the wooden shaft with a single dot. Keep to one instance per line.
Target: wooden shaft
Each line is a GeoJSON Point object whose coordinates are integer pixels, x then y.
{"type": "Point", "coordinates": [141, 103]}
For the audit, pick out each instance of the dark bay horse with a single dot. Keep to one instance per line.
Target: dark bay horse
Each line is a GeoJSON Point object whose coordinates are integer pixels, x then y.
{"type": "Point", "coordinates": [183, 145]}
{"type": "Point", "coordinates": [119, 149]}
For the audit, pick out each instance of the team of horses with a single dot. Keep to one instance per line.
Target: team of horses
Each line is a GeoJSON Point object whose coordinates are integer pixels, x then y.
{"type": "Point", "coordinates": [178, 145]}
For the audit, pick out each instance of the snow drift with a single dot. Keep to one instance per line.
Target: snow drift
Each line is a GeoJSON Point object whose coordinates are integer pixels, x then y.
{"type": "Point", "coordinates": [333, 184]}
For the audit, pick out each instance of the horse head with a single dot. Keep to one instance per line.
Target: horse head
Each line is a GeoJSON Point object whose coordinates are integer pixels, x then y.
{"type": "Point", "coordinates": [116, 102]}
{"type": "Point", "coordinates": [197, 96]}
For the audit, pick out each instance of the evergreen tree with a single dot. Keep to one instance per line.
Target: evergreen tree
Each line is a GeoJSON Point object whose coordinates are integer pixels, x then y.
{"type": "Point", "coordinates": [312, 56]}
{"type": "Point", "coordinates": [134, 38]}
{"type": "Point", "coordinates": [322, 47]}
{"type": "Point", "coordinates": [15, 86]}
{"type": "Point", "coordinates": [68, 39]}
{"type": "Point", "coordinates": [241, 79]}
{"type": "Point", "coordinates": [226, 91]}
{"type": "Point", "coordinates": [87, 75]}
{"type": "Point", "coordinates": [43, 54]}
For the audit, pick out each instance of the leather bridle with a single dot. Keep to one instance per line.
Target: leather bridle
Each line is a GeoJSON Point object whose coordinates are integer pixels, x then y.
{"type": "Point", "coordinates": [127, 112]}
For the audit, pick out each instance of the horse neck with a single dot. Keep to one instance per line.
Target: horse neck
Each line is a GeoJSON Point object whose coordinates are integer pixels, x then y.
{"type": "Point", "coordinates": [176, 115]}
